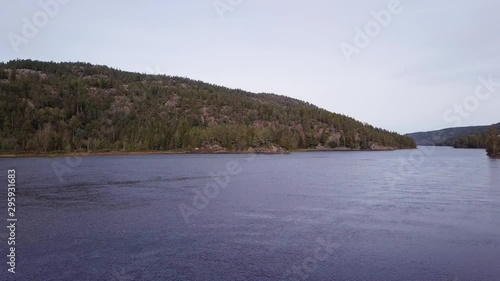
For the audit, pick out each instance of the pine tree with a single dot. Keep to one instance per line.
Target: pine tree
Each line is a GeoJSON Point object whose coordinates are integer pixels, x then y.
{"type": "Point", "coordinates": [83, 107]}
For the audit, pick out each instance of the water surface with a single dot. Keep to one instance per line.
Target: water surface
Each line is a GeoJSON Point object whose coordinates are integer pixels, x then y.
{"type": "Point", "coordinates": [427, 214]}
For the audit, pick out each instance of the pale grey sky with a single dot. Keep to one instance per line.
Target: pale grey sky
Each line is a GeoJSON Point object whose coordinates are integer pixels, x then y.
{"type": "Point", "coordinates": [423, 61]}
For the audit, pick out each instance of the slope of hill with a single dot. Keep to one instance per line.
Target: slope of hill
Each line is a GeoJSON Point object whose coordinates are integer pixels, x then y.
{"type": "Point", "coordinates": [459, 136]}
{"type": "Point", "coordinates": [70, 107]}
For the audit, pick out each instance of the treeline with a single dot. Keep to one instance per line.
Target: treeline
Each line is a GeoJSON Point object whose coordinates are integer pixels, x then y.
{"type": "Point", "coordinates": [460, 137]}
{"type": "Point", "coordinates": [489, 141]}
{"type": "Point", "coordinates": [67, 107]}
{"type": "Point", "coordinates": [472, 141]}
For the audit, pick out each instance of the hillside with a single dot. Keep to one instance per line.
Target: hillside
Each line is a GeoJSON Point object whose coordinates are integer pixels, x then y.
{"type": "Point", "coordinates": [71, 107]}
{"type": "Point", "coordinates": [459, 137]}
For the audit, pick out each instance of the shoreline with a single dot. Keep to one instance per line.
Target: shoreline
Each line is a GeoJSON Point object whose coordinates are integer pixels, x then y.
{"type": "Point", "coordinates": [118, 153]}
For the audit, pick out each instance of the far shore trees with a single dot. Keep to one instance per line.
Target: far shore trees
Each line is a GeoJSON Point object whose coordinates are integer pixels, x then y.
{"type": "Point", "coordinates": [493, 145]}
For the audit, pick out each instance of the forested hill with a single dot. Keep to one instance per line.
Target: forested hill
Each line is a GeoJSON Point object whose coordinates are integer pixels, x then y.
{"type": "Point", "coordinates": [68, 107]}
{"type": "Point", "coordinates": [460, 137]}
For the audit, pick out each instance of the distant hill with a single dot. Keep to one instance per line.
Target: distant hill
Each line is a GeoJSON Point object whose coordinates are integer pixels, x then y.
{"type": "Point", "coordinates": [71, 107]}
{"type": "Point", "coordinates": [452, 136]}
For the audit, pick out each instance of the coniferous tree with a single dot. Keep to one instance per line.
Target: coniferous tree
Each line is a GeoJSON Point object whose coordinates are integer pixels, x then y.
{"type": "Point", "coordinates": [67, 107]}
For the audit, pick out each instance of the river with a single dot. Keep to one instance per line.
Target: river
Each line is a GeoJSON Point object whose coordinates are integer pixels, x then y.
{"type": "Point", "coordinates": [426, 214]}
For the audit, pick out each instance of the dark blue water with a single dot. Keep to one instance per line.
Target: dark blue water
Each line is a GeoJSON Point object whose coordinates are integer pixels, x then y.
{"type": "Point", "coordinates": [427, 214]}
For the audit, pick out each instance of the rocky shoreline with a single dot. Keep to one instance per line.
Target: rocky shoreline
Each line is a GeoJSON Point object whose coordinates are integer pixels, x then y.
{"type": "Point", "coordinates": [208, 149]}
{"type": "Point", "coordinates": [215, 148]}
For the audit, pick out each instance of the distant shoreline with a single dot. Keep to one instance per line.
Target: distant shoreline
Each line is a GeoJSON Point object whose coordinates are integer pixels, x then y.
{"type": "Point", "coordinates": [113, 153]}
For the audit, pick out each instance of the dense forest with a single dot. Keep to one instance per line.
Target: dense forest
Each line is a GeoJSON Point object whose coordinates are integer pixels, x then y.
{"type": "Point", "coordinates": [459, 137]}
{"type": "Point", "coordinates": [487, 140]}
{"type": "Point", "coordinates": [471, 141]}
{"type": "Point", "coordinates": [493, 144]}
{"type": "Point", "coordinates": [79, 107]}
{"type": "Point", "coordinates": [485, 137]}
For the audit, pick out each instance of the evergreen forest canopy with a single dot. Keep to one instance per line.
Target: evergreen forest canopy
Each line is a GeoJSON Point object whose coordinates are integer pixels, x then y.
{"type": "Point", "coordinates": [493, 143]}
{"type": "Point", "coordinates": [485, 137]}
{"type": "Point", "coordinates": [79, 107]}
{"type": "Point", "coordinates": [489, 140]}
{"type": "Point", "coordinates": [458, 137]}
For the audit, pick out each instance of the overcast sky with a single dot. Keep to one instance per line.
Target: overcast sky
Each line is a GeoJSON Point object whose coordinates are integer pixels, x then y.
{"type": "Point", "coordinates": [421, 61]}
